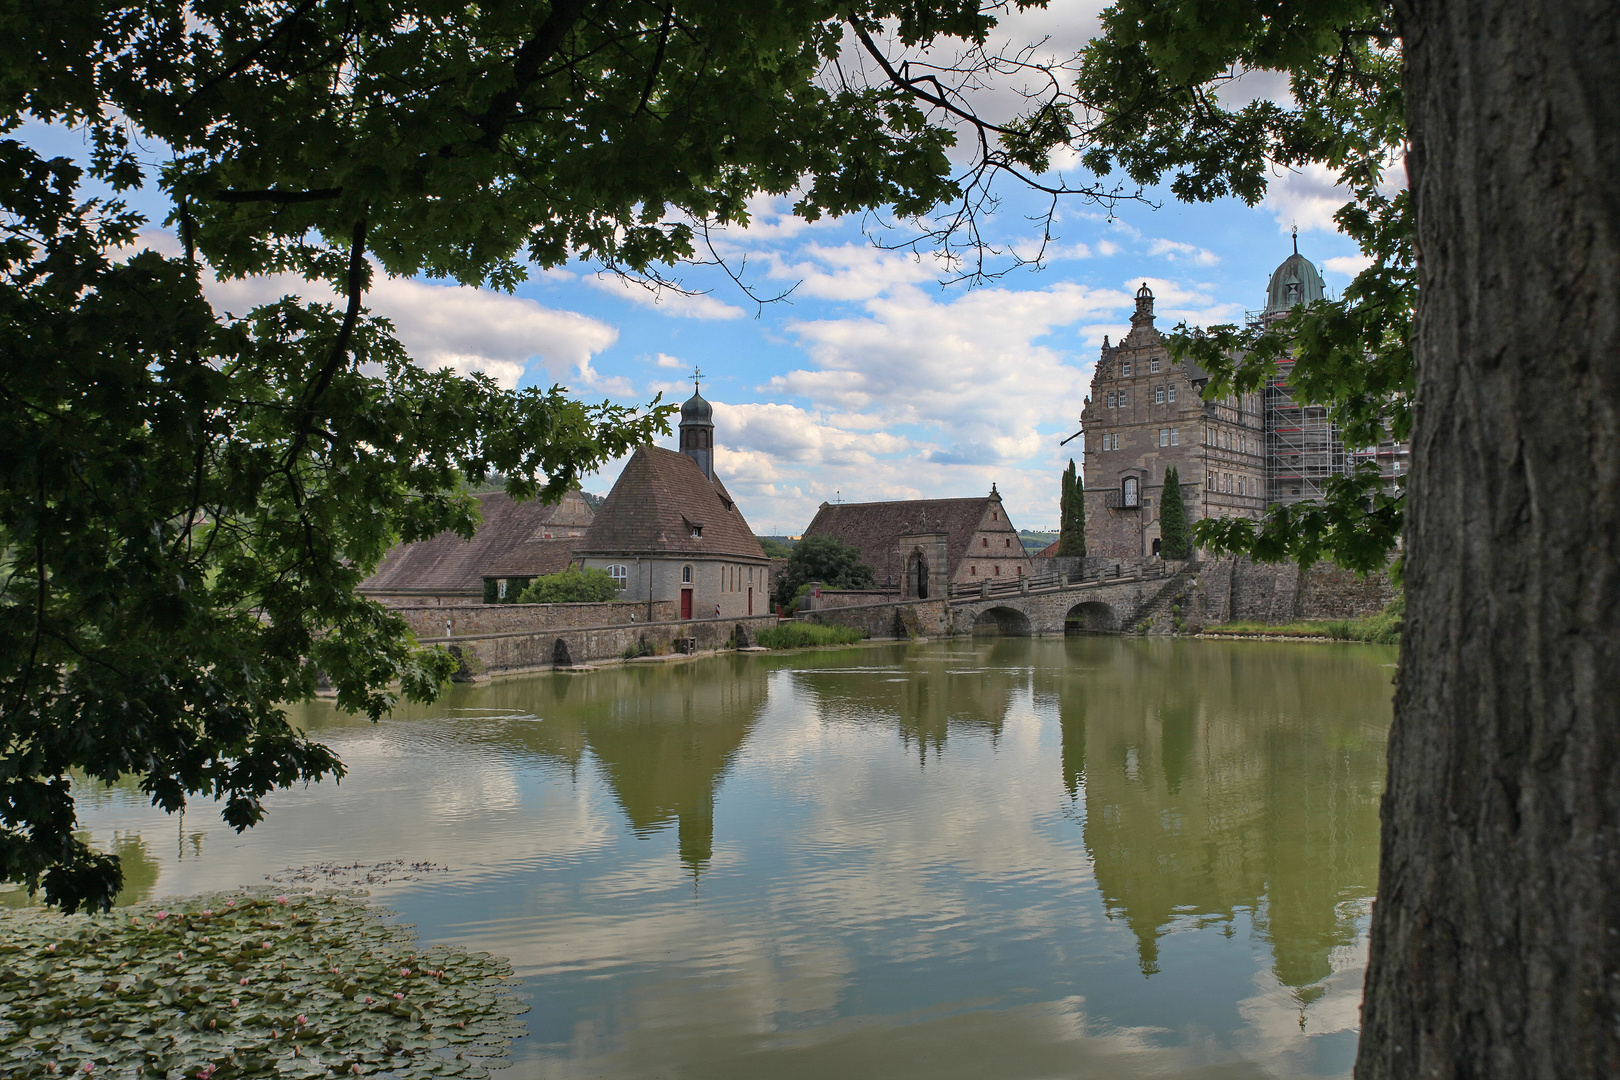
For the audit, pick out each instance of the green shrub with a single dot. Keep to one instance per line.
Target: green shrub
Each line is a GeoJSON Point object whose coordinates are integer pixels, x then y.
{"type": "Point", "coordinates": [571, 587]}
{"type": "Point", "coordinates": [798, 635]}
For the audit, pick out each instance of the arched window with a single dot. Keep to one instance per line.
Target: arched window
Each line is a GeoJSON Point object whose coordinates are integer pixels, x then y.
{"type": "Point", "coordinates": [686, 575]}
{"type": "Point", "coordinates": [1128, 491]}
{"type": "Point", "coordinates": [620, 574]}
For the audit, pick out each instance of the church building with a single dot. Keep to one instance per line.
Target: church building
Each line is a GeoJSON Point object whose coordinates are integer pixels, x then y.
{"type": "Point", "coordinates": [669, 530]}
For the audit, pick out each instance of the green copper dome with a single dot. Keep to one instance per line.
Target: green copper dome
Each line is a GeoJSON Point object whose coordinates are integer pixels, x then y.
{"type": "Point", "coordinates": [1296, 281]}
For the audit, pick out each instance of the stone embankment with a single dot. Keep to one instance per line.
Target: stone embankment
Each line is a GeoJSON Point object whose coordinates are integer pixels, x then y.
{"type": "Point", "coordinates": [542, 648]}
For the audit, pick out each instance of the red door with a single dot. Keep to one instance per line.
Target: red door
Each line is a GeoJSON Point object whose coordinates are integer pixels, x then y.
{"type": "Point", "coordinates": [686, 603]}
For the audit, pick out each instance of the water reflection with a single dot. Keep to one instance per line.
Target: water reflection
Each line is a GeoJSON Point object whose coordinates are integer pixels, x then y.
{"type": "Point", "coordinates": [1012, 858]}
{"type": "Point", "coordinates": [1205, 798]}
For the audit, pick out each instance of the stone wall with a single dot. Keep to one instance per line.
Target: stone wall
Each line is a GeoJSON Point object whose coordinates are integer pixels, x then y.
{"type": "Point", "coordinates": [895, 619]}
{"type": "Point", "coordinates": [1331, 592]}
{"type": "Point", "coordinates": [837, 598]}
{"type": "Point", "coordinates": [1240, 590]}
{"type": "Point", "coordinates": [532, 650]}
{"type": "Point", "coordinates": [475, 619]}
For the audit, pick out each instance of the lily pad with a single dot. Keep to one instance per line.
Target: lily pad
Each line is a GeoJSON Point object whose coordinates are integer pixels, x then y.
{"type": "Point", "coordinates": [249, 984]}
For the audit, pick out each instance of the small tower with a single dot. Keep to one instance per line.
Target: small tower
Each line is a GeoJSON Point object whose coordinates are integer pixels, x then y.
{"type": "Point", "coordinates": [1143, 317]}
{"type": "Point", "coordinates": [697, 429]}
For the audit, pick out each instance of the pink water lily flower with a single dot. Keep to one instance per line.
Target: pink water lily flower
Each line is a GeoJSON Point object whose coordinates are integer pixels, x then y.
{"type": "Point", "coordinates": [302, 1020]}
{"type": "Point", "coordinates": [244, 980]}
{"type": "Point", "coordinates": [399, 997]}
{"type": "Point", "coordinates": [89, 1067]}
{"type": "Point", "coordinates": [404, 971]}
{"type": "Point", "coordinates": [163, 915]}
{"type": "Point", "coordinates": [234, 1003]}
{"type": "Point", "coordinates": [230, 903]}
{"type": "Point", "coordinates": [282, 900]}
{"type": "Point", "coordinates": [51, 947]}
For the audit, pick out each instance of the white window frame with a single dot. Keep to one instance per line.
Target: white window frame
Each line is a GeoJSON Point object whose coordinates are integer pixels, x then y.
{"type": "Point", "coordinates": [1175, 436]}
{"type": "Point", "coordinates": [1172, 392]}
{"type": "Point", "coordinates": [1158, 395]}
{"type": "Point", "coordinates": [686, 574]}
{"type": "Point", "coordinates": [1153, 366]}
{"type": "Point", "coordinates": [1164, 436]}
{"type": "Point", "coordinates": [1125, 368]}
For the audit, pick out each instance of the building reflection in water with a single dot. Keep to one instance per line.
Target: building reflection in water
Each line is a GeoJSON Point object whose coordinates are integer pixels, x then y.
{"type": "Point", "coordinates": [664, 736]}
{"type": "Point", "coordinates": [1203, 800]}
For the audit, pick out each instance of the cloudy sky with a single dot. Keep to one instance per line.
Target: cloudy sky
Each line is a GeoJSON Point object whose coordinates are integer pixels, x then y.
{"type": "Point", "coordinates": [872, 380]}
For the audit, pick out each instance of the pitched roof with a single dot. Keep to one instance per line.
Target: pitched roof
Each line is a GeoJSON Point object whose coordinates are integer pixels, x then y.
{"type": "Point", "coordinates": [875, 528]}
{"type": "Point", "coordinates": [1049, 551]}
{"type": "Point", "coordinates": [660, 497]}
{"type": "Point", "coordinates": [510, 542]}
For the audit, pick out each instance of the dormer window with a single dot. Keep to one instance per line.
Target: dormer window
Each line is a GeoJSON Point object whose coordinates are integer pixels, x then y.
{"type": "Point", "coordinates": [697, 532]}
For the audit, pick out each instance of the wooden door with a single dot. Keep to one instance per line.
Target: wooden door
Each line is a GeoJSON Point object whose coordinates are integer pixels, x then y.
{"type": "Point", "coordinates": [686, 603]}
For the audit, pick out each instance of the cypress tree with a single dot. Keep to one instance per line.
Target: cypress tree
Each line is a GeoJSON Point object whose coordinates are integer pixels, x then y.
{"type": "Point", "coordinates": [1173, 539]}
{"type": "Point", "coordinates": [1072, 535]}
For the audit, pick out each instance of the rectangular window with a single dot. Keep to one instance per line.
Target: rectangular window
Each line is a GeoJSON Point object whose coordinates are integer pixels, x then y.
{"type": "Point", "coordinates": [1158, 395]}
{"type": "Point", "coordinates": [1209, 481]}
{"type": "Point", "coordinates": [1175, 436]}
{"type": "Point", "coordinates": [1124, 399]}
{"type": "Point", "coordinates": [1110, 399]}
{"type": "Point", "coordinates": [1172, 395]}
{"type": "Point", "coordinates": [1164, 436]}
{"type": "Point", "coordinates": [1125, 368]}
{"type": "Point", "coordinates": [1116, 442]}
{"type": "Point", "coordinates": [1153, 366]}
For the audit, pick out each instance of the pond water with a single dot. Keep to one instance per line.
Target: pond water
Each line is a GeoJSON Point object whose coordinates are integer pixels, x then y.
{"type": "Point", "coordinates": [1005, 858]}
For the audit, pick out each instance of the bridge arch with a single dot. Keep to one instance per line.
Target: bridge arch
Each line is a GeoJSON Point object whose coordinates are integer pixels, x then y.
{"type": "Point", "coordinates": [1091, 617]}
{"type": "Point", "coordinates": [1008, 621]}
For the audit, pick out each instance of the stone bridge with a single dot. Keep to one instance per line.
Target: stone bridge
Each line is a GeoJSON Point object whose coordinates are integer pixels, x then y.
{"type": "Point", "coordinates": [1110, 604]}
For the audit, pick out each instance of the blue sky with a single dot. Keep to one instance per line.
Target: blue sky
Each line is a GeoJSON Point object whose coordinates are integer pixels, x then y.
{"type": "Point", "coordinates": [872, 380]}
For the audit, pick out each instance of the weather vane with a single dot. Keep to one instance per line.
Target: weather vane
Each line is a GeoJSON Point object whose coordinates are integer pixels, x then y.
{"type": "Point", "coordinates": [697, 376]}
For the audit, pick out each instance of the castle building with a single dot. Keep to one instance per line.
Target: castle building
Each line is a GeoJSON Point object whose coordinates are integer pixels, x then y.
{"type": "Point", "coordinates": [1147, 413]}
{"type": "Point", "coordinates": [923, 546]}
{"type": "Point", "coordinates": [669, 530]}
{"type": "Point", "coordinates": [1234, 455]}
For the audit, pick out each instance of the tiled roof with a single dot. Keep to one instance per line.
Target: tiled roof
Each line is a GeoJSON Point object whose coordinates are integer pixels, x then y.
{"type": "Point", "coordinates": [1049, 551]}
{"type": "Point", "coordinates": [659, 499]}
{"type": "Point", "coordinates": [510, 542]}
{"type": "Point", "coordinates": [875, 528]}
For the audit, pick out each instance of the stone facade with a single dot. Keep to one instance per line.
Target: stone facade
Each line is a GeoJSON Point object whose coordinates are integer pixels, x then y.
{"type": "Point", "coordinates": [428, 621]}
{"type": "Point", "coordinates": [1146, 414]}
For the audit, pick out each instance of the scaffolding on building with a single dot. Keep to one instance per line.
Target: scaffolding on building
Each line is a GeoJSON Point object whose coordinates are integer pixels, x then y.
{"type": "Point", "coordinates": [1305, 448]}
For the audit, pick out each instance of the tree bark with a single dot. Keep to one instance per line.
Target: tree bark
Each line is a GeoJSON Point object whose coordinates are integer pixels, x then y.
{"type": "Point", "coordinates": [1496, 936]}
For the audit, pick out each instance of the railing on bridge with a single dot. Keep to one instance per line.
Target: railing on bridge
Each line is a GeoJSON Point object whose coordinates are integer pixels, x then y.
{"type": "Point", "coordinates": [992, 590]}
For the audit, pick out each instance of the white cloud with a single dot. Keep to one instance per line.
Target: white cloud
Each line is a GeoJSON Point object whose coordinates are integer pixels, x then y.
{"type": "Point", "coordinates": [967, 369]}
{"type": "Point", "coordinates": [454, 326]}
{"type": "Point", "coordinates": [1310, 196]}
{"type": "Point", "coordinates": [669, 301]}
{"type": "Point", "coordinates": [1348, 265]}
{"type": "Point", "coordinates": [855, 271]}
{"type": "Point", "coordinates": [1176, 251]}
{"type": "Point", "coordinates": [664, 360]}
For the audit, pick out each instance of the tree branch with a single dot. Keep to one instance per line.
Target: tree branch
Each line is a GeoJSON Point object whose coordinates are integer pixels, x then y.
{"type": "Point", "coordinates": [548, 38]}
{"type": "Point", "coordinates": [302, 422]}
{"type": "Point", "coordinates": [277, 195]}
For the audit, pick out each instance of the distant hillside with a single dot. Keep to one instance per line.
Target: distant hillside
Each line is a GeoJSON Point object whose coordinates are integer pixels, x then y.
{"type": "Point", "coordinates": [1034, 540]}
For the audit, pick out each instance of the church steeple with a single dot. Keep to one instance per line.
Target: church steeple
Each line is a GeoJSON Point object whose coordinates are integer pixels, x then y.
{"type": "Point", "coordinates": [697, 428]}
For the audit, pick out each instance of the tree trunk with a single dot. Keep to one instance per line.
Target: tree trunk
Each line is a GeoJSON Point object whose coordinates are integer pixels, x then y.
{"type": "Point", "coordinates": [1496, 936]}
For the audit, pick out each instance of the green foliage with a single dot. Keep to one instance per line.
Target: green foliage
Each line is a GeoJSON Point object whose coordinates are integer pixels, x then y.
{"type": "Point", "coordinates": [188, 497]}
{"type": "Point", "coordinates": [774, 548]}
{"type": "Point", "coordinates": [826, 559]}
{"type": "Point", "coordinates": [1173, 535]}
{"type": "Point", "coordinates": [803, 635]}
{"type": "Point", "coordinates": [571, 586]}
{"type": "Point", "coordinates": [245, 985]}
{"type": "Point", "coordinates": [1072, 539]}
{"type": "Point", "coordinates": [1151, 80]}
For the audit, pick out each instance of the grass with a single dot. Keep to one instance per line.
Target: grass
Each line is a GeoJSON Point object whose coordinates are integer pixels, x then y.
{"type": "Point", "coordinates": [798, 635]}
{"type": "Point", "coordinates": [1383, 628]}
